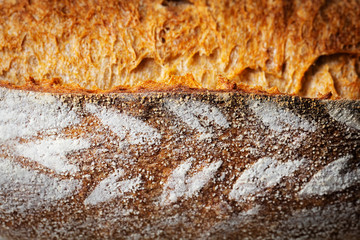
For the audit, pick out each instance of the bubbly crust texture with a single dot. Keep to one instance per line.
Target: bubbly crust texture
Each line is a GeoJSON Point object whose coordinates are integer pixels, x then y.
{"type": "Point", "coordinates": [306, 48]}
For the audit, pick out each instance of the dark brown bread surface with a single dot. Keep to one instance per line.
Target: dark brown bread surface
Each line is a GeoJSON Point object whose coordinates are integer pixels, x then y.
{"type": "Point", "coordinates": [307, 48]}
{"type": "Point", "coordinates": [178, 165]}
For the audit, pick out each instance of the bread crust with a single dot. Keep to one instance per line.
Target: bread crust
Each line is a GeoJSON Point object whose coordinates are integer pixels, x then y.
{"type": "Point", "coordinates": [306, 48]}
{"type": "Point", "coordinates": [158, 119]}
{"type": "Point", "coordinates": [178, 165]}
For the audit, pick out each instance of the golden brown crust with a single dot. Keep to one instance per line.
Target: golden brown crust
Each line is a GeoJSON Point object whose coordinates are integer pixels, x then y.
{"type": "Point", "coordinates": [121, 44]}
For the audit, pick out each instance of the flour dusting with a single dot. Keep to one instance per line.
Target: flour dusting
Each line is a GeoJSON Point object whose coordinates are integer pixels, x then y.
{"type": "Point", "coordinates": [198, 116]}
{"type": "Point", "coordinates": [110, 188]}
{"type": "Point", "coordinates": [198, 181]}
{"type": "Point", "coordinates": [22, 189]}
{"type": "Point", "coordinates": [279, 119]}
{"type": "Point", "coordinates": [331, 179]}
{"type": "Point", "coordinates": [125, 126]}
{"type": "Point", "coordinates": [24, 114]}
{"type": "Point", "coordinates": [322, 222]}
{"type": "Point", "coordinates": [235, 221]}
{"type": "Point", "coordinates": [179, 185]}
{"type": "Point", "coordinates": [51, 152]}
{"type": "Point", "coordinates": [266, 172]}
{"type": "Point", "coordinates": [344, 115]}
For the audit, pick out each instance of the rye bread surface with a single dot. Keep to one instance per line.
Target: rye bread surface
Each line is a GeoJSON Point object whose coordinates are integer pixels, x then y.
{"type": "Point", "coordinates": [178, 165]}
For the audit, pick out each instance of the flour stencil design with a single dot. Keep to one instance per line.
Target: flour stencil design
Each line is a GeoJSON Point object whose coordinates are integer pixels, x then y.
{"type": "Point", "coordinates": [29, 190]}
{"type": "Point", "coordinates": [331, 178]}
{"type": "Point", "coordinates": [179, 184]}
{"type": "Point", "coordinates": [51, 152]}
{"type": "Point", "coordinates": [198, 116]}
{"type": "Point", "coordinates": [111, 187]}
{"type": "Point", "coordinates": [264, 173]}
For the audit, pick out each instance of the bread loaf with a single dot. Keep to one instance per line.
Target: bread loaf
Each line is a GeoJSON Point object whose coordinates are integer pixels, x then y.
{"type": "Point", "coordinates": [178, 165]}
{"type": "Point", "coordinates": [307, 48]}
{"type": "Point", "coordinates": [179, 120]}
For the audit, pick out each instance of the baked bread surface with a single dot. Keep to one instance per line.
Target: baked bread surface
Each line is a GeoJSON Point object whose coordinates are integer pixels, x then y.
{"type": "Point", "coordinates": [305, 48]}
{"type": "Point", "coordinates": [178, 166]}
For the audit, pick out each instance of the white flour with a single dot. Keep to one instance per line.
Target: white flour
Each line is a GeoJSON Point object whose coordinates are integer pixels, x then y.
{"type": "Point", "coordinates": [266, 172]}
{"type": "Point", "coordinates": [51, 152]}
{"type": "Point", "coordinates": [279, 119]}
{"type": "Point", "coordinates": [331, 179]}
{"type": "Point", "coordinates": [110, 188]}
{"type": "Point", "coordinates": [125, 126]}
{"type": "Point", "coordinates": [179, 185]}
{"type": "Point", "coordinates": [24, 114]}
{"type": "Point", "coordinates": [22, 189]}
{"type": "Point", "coordinates": [344, 115]}
{"type": "Point", "coordinates": [198, 116]}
